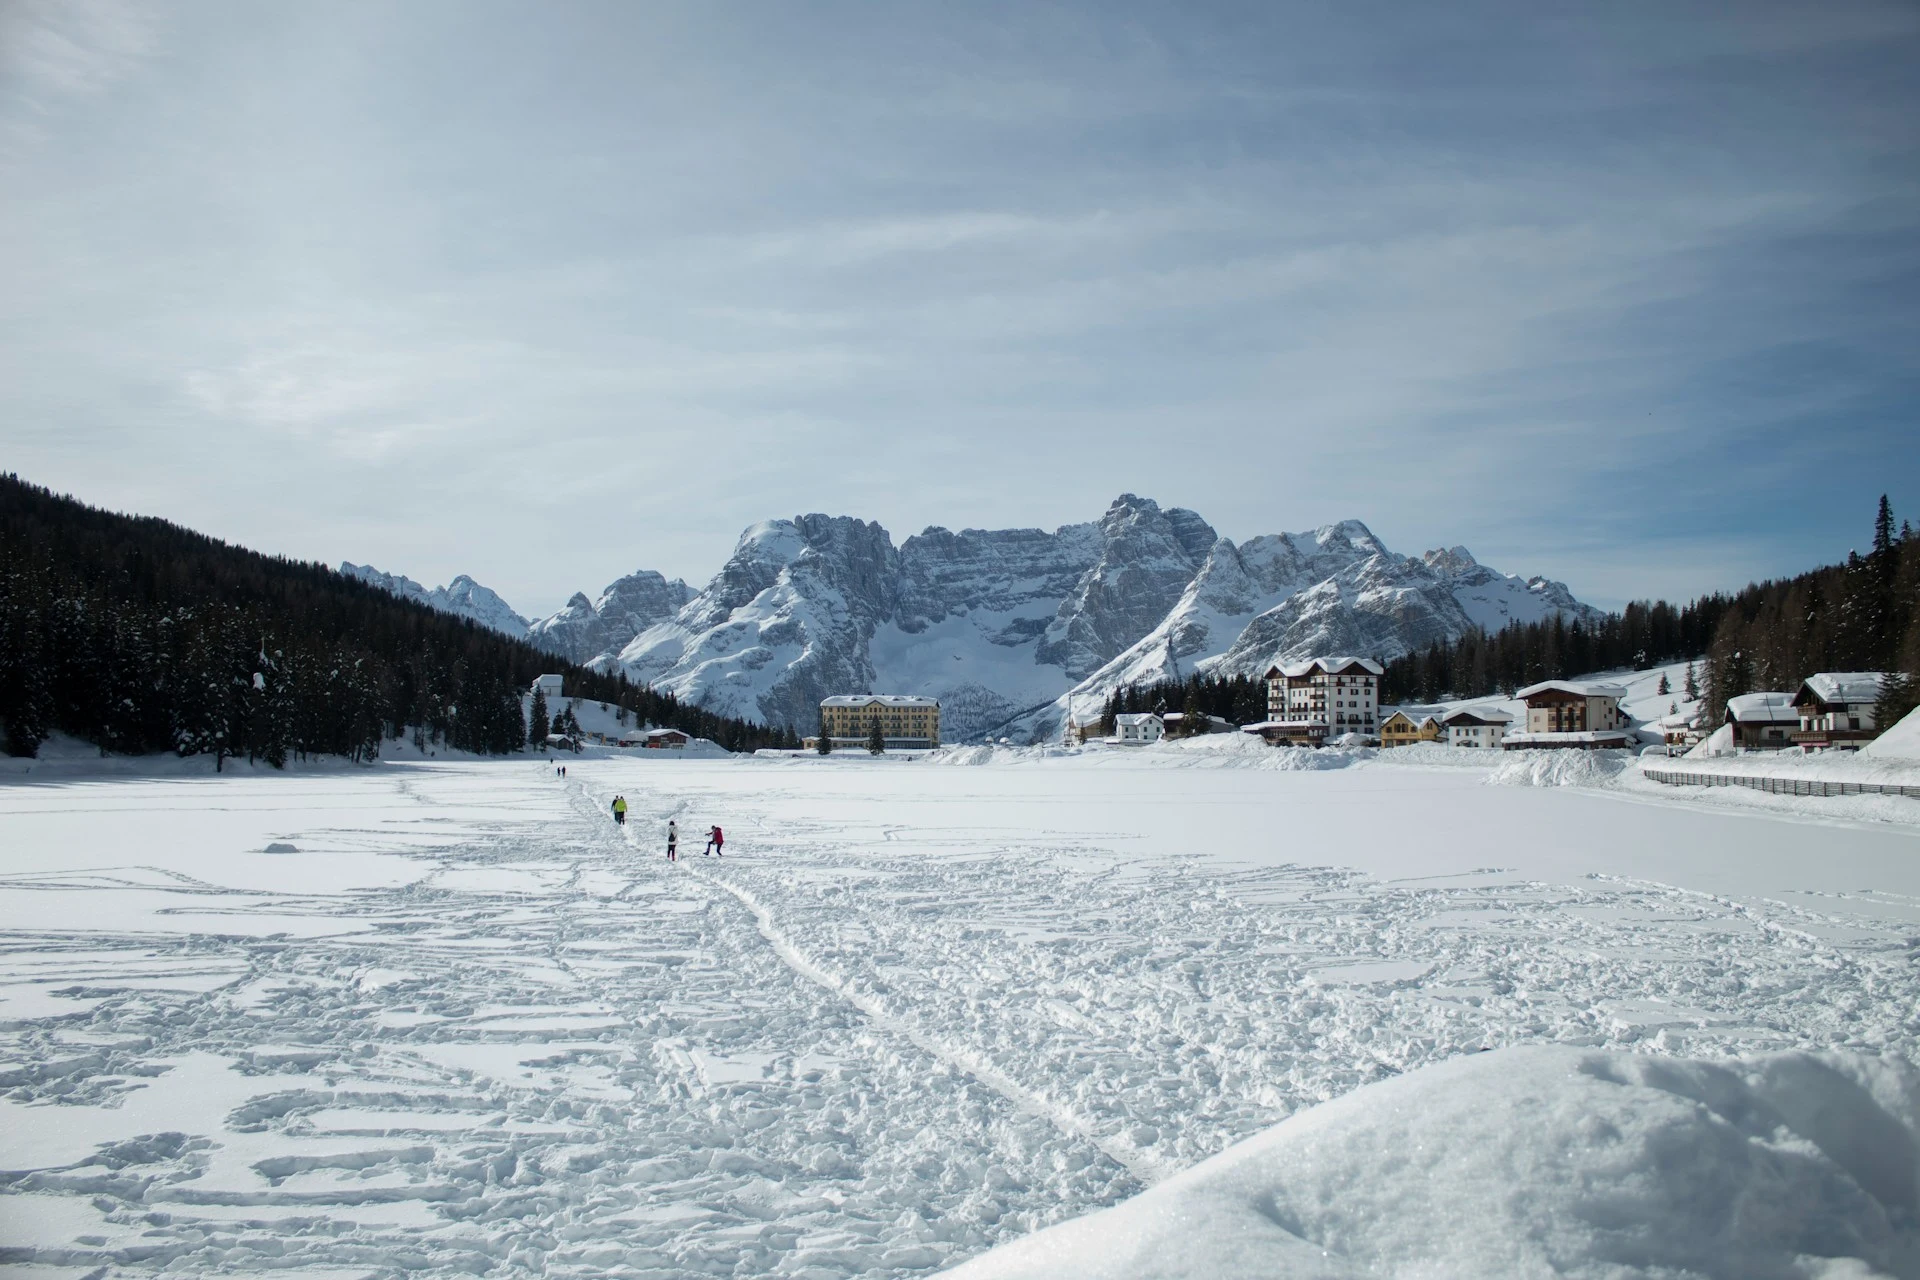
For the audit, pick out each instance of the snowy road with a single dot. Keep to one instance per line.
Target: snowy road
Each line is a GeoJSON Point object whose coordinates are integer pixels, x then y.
{"type": "Point", "coordinates": [465, 1026]}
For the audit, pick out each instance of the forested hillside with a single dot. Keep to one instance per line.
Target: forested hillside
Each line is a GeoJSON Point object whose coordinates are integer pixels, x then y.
{"type": "Point", "coordinates": [141, 636]}
{"type": "Point", "coordinates": [1860, 615]}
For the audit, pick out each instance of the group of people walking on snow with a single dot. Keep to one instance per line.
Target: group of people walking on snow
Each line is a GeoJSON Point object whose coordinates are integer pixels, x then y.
{"type": "Point", "coordinates": [716, 838]}
{"type": "Point", "coordinates": [716, 841]}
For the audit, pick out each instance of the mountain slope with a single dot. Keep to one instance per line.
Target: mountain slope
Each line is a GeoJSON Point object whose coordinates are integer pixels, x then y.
{"type": "Point", "coordinates": [463, 597]}
{"type": "Point", "coordinates": [585, 630]}
{"type": "Point", "coordinates": [1001, 624]}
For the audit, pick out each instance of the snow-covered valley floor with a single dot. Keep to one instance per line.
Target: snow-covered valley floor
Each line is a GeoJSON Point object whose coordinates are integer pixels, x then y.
{"type": "Point", "coordinates": [465, 1025]}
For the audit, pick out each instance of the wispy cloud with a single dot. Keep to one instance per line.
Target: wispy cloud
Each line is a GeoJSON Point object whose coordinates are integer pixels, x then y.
{"type": "Point", "coordinates": [52, 50]}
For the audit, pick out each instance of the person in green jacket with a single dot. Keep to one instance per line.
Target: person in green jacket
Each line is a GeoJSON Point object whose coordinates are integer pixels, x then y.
{"type": "Point", "coordinates": [620, 810]}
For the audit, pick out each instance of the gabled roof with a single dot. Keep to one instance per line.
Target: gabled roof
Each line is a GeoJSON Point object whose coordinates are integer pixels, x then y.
{"type": "Point", "coordinates": [1478, 715]}
{"type": "Point", "coordinates": [1340, 666]}
{"type": "Point", "coordinates": [884, 699]}
{"type": "Point", "coordinates": [1763, 708]}
{"type": "Point", "coordinates": [1135, 717]}
{"type": "Point", "coordinates": [1841, 686]}
{"type": "Point", "coordinates": [1576, 688]}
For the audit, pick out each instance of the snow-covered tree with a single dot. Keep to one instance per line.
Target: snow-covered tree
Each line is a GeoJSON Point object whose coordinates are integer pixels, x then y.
{"type": "Point", "coordinates": [1665, 686]}
{"type": "Point", "coordinates": [1899, 694]}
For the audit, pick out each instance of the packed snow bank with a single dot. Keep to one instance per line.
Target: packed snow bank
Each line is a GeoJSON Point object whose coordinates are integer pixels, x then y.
{"type": "Point", "coordinates": [1902, 742]}
{"type": "Point", "coordinates": [1560, 768]}
{"type": "Point", "coordinates": [1539, 1161]}
{"type": "Point", "coordinates": [1821, 766]}
{"type": "Point", "coordinates": [1211, 751]}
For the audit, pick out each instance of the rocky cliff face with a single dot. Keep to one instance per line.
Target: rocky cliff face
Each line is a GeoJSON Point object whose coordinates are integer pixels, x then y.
{"type": "Point", "coordinates": [786, 622]}
{"type": "Point", "coordinates": [1147, 559]}
{"type": "Point", "coordinates": [586, 630]}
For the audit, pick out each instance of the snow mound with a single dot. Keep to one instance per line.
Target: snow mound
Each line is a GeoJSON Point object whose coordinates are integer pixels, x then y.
{"type": "Point", "coordinates": [1564, 768]}
{"type": "Point", "coordinates": [1902, 742]}
{"type": "Point", "coordinates": [1538, 1161]}
{"type": "Point", "coordinates": [1717, 743]}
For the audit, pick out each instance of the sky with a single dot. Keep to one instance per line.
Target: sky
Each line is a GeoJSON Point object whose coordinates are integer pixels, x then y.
{"type": "Point", "coordinates": [1627, 295]}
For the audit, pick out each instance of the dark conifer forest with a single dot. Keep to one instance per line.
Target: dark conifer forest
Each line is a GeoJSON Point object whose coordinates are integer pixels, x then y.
{"type": "Point", "coordinates": [1859, 615]}
{"type": "Point", "coordinates": [140, 636]}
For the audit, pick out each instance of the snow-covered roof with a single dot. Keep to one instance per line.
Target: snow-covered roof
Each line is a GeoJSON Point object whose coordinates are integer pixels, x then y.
{"type": "Point", "coordinates": [1843, 686]}
{"type": "Point", "coordinates": [884, 699]}
{"type": "Point", "coordinates": [1136, 717]}
{"type": "Point", "coordinates": [1570, 737]}
{"type": "Point", "coordinates": [1479, 715]}
{"type": "Point", "coordinates": [1763, 708]}
{"type": "Point", "coordinates": [1578, 688]}
{"type": "Point", "coordinates": [1332, 666]}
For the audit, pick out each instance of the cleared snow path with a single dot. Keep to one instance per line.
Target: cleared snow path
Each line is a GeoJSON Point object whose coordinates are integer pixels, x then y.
{"type": "Point", "coordinates": [468, 1026]}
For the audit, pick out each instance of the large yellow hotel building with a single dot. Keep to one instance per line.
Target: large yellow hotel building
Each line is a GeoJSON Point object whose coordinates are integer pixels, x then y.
{"type": "Point", "coordinates": [905, 722]}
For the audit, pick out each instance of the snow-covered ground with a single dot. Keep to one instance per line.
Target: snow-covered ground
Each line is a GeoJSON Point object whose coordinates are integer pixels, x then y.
{"type": "Point", "coordinates": [456, 1022]}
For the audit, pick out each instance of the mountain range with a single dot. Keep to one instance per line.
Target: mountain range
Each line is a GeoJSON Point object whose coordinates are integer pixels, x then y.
{"type": "Point", "coordinates": [1009, 627]}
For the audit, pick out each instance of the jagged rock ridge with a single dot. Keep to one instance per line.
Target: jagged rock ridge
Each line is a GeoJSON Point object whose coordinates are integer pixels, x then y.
{"type": "Point", "coordinates": [463, 597]}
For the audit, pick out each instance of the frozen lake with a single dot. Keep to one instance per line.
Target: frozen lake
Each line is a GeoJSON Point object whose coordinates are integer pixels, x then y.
{"type": "Point", "coordinates": [467, 1025]}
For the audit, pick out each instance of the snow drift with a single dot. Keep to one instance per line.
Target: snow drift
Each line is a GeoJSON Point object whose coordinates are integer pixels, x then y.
{"type": "Point", "coordinates": [1559, 768]}
{"type": "Point", "coordinates": [1539, 1161]}
{"type": "Point", "coordinates": [1901, 742]}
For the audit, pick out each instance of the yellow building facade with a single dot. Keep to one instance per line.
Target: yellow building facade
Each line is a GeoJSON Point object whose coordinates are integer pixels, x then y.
{"type": "Point", "coordinates": [1403, 730]}
{"type": "Point", "coordinates": [905, 722]}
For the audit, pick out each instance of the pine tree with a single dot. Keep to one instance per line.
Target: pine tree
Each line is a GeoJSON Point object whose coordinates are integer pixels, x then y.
{"type": "Point", "coordinates": [1665, 687]}
{"type": "Point", "coordinates": [29, 709]}
{"type": "Point", "coordinates": [876, 738]}
{"type": "Point", "coordinates": [1690, 684]}
{"type": "Point", "coordinates": [538, 725]}
{"type": "Point", "coordinates": [1883, 528]}
{"type": "Point", "coordinates": [824, 743]}
{"type": "Point", "coordinates": [1899, 694]}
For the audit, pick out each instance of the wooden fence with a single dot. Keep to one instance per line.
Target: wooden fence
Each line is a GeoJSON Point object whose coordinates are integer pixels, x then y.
{"type": "Point", "coordinates": [1781, 786]}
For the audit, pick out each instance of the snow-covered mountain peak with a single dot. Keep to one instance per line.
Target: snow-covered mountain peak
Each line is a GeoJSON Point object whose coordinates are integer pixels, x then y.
{"type": "Point", "coordinates": [1350, 535]}
{"type": "Point", "coordinates": [584, 630]}
{"type": "Point", "coordinates": [463, 597]}
{"type": "Point", "coordinates": [1451, 560]}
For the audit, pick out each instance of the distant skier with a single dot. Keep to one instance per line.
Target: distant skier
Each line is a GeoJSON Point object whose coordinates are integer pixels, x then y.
{"type": "Point", "coordinates": [714, 840]}
{"type": "Point", "coordinates": [673, 841]}
{"type": "Point", "coordinates": [619, 811]}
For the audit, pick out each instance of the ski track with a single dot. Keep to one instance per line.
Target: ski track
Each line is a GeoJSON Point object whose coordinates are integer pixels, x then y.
{"type": "Point", "coordinates": [552, 1053]}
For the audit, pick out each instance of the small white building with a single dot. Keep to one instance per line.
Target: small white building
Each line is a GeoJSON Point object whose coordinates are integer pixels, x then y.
{"type": "Point", "coordinates": [1572, 713]}
{"type": "Point", "coordinates": [1482, 727]}
{"type": "Point", "coordinates": [1138, 728]}
{"type": "Point", "coordinates": [1763, 721]}
{"type": "Point", "coordinates": [1835, 709]}
{"type": "Point", "coordinates": [551, 686]}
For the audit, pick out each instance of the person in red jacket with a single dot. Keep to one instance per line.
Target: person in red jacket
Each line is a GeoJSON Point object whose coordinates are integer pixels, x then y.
{"type": "Point", "coordinates": [714, 841]}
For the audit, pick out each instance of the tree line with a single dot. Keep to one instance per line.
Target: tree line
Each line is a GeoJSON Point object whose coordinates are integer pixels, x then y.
{"type": "Point", "coordinates": [139, 636]}
{"type": "Point", "coordinates": [1861, 615]}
